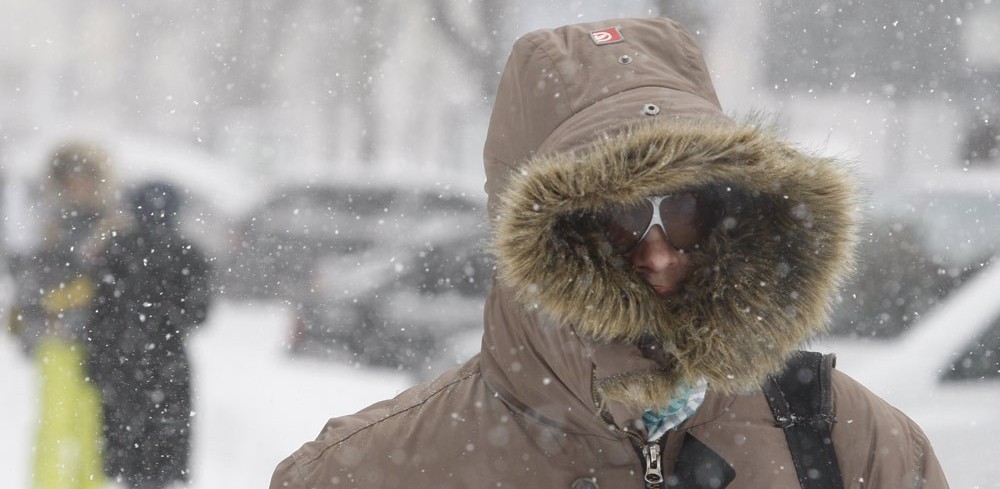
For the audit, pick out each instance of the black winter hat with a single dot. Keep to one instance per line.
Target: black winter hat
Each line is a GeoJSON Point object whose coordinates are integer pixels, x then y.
{"type": "Point", "coordinates": [156, 202]}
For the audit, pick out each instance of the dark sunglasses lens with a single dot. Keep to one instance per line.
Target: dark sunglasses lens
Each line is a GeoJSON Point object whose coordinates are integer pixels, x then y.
{"type": "Point", "coordinates": [625, 224]}
{"type": "Point", "coordinates": [685, 222]}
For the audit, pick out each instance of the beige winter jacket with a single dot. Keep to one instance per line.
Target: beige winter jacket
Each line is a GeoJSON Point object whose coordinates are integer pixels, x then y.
{"type": "Point", "coordinates": [587, 116]}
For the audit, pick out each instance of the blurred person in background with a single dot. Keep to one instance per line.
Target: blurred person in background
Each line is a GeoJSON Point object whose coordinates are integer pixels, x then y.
{"type": "Point", "coordinates": [659, 265]}
{"type": "Point", "coordinates": [52, 311]}
{"type": "Point", "coordinates": [153, 291]}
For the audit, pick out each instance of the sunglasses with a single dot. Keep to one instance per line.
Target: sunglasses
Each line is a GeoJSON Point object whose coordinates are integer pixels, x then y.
{"type": "Point", "coordinates": [684, 220]}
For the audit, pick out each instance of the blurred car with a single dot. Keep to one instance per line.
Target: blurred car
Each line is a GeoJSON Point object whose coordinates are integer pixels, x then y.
{"type": "Point", "coordinates": [919, 244]}
{"type": "Point", "coordinates": [277, 244]}
{"type": "Point", "coordinates": [957, 216]}
{"type": "Point", "coordinates": [945, 374]}
{"type": "Point", "coordinates": [376, 274]}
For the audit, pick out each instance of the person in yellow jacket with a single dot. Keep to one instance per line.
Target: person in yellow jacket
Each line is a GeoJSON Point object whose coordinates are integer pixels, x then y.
{"type": "Point", "coordinates": [52, 310]}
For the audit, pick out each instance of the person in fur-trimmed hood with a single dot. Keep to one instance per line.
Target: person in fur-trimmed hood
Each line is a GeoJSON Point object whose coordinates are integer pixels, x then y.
{"type": "Point", "coordinates": [656, 262]}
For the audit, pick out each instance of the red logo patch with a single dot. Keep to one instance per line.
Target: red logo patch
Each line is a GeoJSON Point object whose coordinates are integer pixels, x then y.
{"type": "Point", "coordinates": [610, 35]}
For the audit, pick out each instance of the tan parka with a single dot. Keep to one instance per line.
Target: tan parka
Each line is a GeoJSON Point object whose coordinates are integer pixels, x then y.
{"type": "Point", "coordinates": [609, 112]}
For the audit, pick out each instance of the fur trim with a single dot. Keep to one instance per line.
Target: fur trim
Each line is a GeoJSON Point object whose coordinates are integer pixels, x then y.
{"type": "Point", "coordinates": [640, 390]}
{"type": "Point", "coordinates": [763, 282]}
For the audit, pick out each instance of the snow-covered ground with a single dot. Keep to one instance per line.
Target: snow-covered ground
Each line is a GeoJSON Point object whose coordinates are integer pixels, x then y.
{"type": "Point", "coordinates": [254, 404]}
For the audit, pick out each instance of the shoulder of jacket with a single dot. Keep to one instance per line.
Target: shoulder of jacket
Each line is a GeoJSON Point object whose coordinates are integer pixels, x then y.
{"type": "Point", "coordinates": [357, 429]}
{"type": "Point", "coordinates": [852, 400]}
{"type": "Point", "coordinates": [872, 419]}
{"type": "Point", "coordinates": [875, 441]}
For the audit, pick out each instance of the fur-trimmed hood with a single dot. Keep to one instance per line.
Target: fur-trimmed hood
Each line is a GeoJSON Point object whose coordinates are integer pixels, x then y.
{"type": "Point", "coordinates": [579, 125]}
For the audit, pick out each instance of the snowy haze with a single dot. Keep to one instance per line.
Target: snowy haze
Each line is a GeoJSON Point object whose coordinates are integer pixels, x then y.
{"type": "Point", "coordinates": [231, 100]}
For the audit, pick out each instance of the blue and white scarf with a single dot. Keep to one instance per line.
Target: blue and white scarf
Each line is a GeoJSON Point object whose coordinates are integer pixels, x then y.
{"type": "Point", "coordinates": [685, 403]}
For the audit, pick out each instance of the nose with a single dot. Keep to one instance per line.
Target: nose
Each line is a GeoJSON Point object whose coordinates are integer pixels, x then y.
{"type": "Point", "coordinates": [662, 265]}
{"type": "Point", "coordinates": [654, 253]}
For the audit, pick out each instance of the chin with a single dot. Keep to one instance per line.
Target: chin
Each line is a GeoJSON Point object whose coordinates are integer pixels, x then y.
{"type": "Point", "coordinates": [665, 292]}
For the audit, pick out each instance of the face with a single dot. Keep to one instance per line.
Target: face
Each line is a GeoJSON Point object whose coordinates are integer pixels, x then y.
{"type": "Point", "coordinates": [80, 191]}
{"type": "Point", "coordinates": [663, 266]}
{"type": "Point", "coordinates": [657, 236]}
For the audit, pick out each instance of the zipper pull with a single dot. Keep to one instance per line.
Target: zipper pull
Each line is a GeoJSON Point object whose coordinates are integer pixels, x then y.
{"type": "Point", "coordinates": [652, 453]}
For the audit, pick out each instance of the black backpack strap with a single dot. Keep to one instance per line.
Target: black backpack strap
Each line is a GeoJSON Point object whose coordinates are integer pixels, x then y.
{"type": "Point", "coordinates": [801, 399]}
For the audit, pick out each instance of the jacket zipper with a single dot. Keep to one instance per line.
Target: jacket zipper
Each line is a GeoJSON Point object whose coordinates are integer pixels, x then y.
{"type": "Point", "coordinates": [654, 474]}
{"type": "Point", "coordinates": [649, 453]}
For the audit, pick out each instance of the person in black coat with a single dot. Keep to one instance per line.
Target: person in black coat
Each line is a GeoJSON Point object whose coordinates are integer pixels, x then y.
{"type": "Point", "coordinates": [153, 291]}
